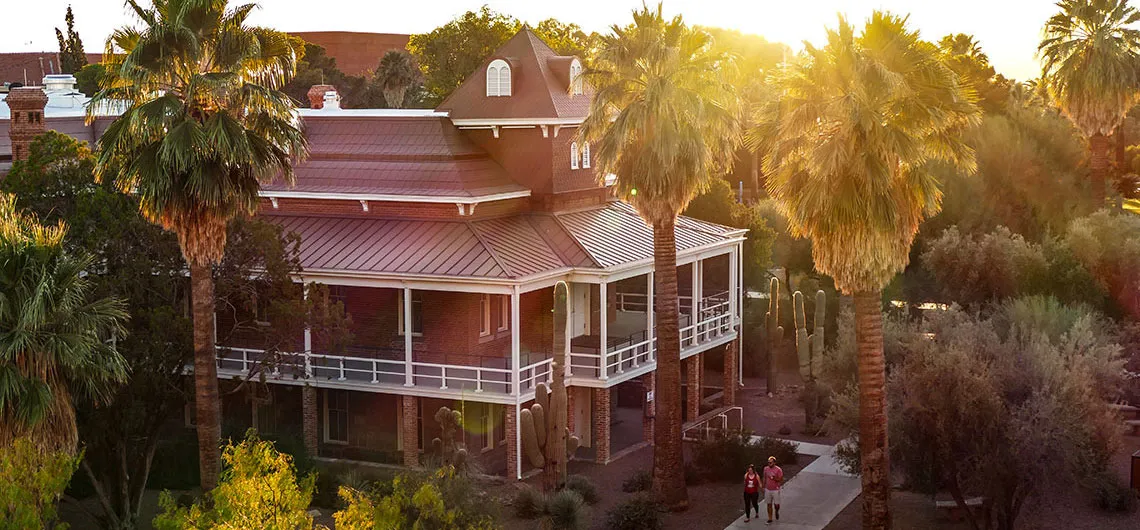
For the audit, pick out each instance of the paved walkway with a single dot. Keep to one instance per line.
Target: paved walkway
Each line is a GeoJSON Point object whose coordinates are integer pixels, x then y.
{"type": "Point", "coordinates": [813, 497]}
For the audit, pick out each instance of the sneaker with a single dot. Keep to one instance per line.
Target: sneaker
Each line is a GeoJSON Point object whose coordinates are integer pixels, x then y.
{"type": "Point", "coordinates": [746, 518]}
{"type": "Point", "coordinates": [769, 521]}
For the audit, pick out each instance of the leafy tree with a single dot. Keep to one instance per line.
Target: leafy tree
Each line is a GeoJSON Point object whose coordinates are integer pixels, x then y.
{"type": "Point", "coordinates": [1090, 68]}
{"type": "Point", "coordinates": [965, 57]}
{"type": "Point", "coordinates": [441, 500]}
{"type": "Point", "coordinates": [259, 489]}
{"type": "Point", "coordinates": [664, 120]}
{"type": "Point", "coordinates": [56, 331]}
{"type": "Point", "coordinates": [1108, 246]}
{"type": "Point", "coordinates": [567, 39]}
{"type": "Point", "coordinates": [71, 56]}
{"type": "Point", "coordinates": [33, 481]}
{"type": "Point", "coordinates": [87, 79]}
{"type": "Point", "coordinates": [718, 205]}
{"type": "Point", "coordinates": [862, 122]}
{"type": "Point", "coordinates": [451, 52]}
{"type": "Point", "coordinates": [204, 125]}
{"type": "Point", "coordinates": [395, 75]}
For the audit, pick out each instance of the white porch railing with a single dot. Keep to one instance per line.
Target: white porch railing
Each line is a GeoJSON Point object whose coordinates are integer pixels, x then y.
{"type": "Point", "coordinates": [637, 302]}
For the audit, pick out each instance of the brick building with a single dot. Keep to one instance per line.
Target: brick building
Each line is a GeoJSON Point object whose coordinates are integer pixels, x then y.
{"type": "Point", "coordinates": [443, 233]}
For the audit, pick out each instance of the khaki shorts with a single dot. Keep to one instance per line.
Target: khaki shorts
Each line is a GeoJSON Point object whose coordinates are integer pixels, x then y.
{"type": "Point", "coordinates": [772, 496]}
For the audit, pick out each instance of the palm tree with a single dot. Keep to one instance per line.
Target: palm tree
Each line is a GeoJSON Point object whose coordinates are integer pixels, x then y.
{"type": "Point", "coordinates": [396, 74]}
{"type": "Point", "coordinates": [204, 125]}
{"type": "Point", "coordinates": [664, 120]}
{"type": "Point", "coordinates": [53, 334]}
{"type": "Point", "coordinates": [1090, 71]}
{"type": "Point", "coordinates": [858, 124]}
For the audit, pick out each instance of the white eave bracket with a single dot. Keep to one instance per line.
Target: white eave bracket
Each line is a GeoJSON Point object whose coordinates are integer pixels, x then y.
{"type": "Point", "coordinates": [364, 205]}
{"type": "Point", "coordinates": [466, 209]}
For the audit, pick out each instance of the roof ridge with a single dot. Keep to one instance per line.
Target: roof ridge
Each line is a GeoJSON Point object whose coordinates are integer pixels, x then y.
{"type": "Point", "coordinates": [562, 225]}
{"type": "Point", "coordinates": [490, 248]}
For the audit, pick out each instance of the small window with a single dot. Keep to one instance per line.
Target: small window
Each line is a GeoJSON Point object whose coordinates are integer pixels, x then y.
{"type": "Point", "coordinates": [504, 313]}
{"type": "Point", "coordinates": [502, 421]}
{"type": "Point", "coordinates": [498, 78]}
{"type": "Point", "coordinates": [574, 155]}
{"type": "Point", "coordinates": [190, 415]}
{"type": "Point", "coordinates": [417, 313]}
{"type": "Point", "coordinates": [484, 315]}
{"type": "Point", "coordinates": [266, 418]}
{"type": "Point", "coordinates": [576, 78]}
{"type": "Point", "coordinates": [488, 427]}
{"type": "Point", "coordinates": [338, 293]}
{"type": "Point", "coordinates": [260, 309]}
{"type": "Point", "coordinates": [336, 416]}
{"type": "Point", "coordinates": [585, 155]}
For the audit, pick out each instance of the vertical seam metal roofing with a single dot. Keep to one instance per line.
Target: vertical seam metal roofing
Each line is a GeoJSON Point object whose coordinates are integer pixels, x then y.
{"type": "Point", "coordinates": [595, 229]}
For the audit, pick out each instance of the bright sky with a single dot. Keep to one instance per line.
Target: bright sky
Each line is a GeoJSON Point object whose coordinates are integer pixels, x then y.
{"type": "Point", "coordinates": [1007, 29]}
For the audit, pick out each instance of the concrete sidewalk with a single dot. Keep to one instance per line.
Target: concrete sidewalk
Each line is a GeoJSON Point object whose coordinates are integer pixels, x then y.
{"type": "Point", "coordinates": [813, 497]}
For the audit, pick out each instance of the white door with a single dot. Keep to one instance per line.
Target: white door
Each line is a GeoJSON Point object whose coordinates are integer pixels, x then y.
{"type": "Point", "coordinates": [579, 309]}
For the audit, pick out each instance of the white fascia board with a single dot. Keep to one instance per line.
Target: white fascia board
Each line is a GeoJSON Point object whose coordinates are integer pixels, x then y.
{"type": "Point", "coordinates": [393, 198]}
{"type": "Point", "coordinates": [400, 281]}
{"type": "Point", "coordinates": [511, 122]}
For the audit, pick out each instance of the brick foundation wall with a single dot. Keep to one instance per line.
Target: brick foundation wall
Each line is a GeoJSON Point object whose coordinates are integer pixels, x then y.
{"type": "Point", "coordinates": [730, 366]}
{"type": "Point", "coordinates": [602, 425]}
{"type": "Point", "coordinates": [409, 406]}
{"type": "Point", "coordinates": [511, 425]}
{"type": "Point", "coordinates": [310, 421]}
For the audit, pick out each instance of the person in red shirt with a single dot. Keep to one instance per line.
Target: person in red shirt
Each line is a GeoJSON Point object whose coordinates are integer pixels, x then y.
{"type": "Point", "coordinates": [751, 493]}
{"type": "Point", "coordinates": [773, 479]}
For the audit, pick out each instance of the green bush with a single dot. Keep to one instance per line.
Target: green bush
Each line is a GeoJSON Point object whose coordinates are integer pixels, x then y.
{"type": "Point", "coordinates": [584, 487]}
{"type": "Point", "coordinates": [566, 510]}
{"type": "Point", "coordinates": [727, 458]}
{"type": "Point", "coordinates": [640, 481]}
{"type": "Point", "coordinates": [528, 503]}
{"type": "Point", "coordinates": [175, 464]}
{"type": "Point", "coordinates": [639, 513]}
{"type": "Point", "coordinates": [1111, 495]}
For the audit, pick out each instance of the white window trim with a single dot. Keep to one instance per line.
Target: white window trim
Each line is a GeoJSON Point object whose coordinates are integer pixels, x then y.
{"type": "Point", "coordinates": [576, 78]}
{"type": "Point", "coordinates": [504, 312]}
{"type": "Point", "coordinates": [585, 155]}
{"type": "Point", "coordinates": [484, 315]}
{"type": "Point", "coordinates": [258, 307]}
{"type": "Point", "coordinates": [326, 422]}
{"type": "Point", "coordinates": [496, 71]}
{"type": "Point", "coordinates": [400, 314]}
{"type": "Point", "coordinates": [573, 155]}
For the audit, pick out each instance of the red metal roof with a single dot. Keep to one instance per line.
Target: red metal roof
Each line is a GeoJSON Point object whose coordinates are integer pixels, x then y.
{"type": "Point", "coordinates": [537, 90]}
{"type": "Point", "coordinates": [615, 235]}
{"type": "Point", "coordinates": [388, 155]}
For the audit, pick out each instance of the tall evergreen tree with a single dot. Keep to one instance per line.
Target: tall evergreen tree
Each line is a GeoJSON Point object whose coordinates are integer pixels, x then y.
{"type": "Point", "coordinates": [71, 56]}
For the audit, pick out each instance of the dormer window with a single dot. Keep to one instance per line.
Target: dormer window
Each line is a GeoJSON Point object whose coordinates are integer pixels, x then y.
{"type": "Point", "coordinates": [498, 78]}
{"type": "Point", "coordinates": [585, 156]}
{"type": "Point", "coordinates": [576, 78]}
{"type": "Point", "coordinates": [574, 155]}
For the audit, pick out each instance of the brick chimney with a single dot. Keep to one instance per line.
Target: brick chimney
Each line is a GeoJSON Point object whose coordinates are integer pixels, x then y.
{"type": "Point", "coordinates": [317, 95]}
{"type": "Point", "coordinates": [27, 107]}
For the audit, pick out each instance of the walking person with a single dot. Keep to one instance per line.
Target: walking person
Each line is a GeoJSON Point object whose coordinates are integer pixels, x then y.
{"type": "Point", "coordinates": [751, 493]}
{"type": "Point", "coordinates": [773, 480]}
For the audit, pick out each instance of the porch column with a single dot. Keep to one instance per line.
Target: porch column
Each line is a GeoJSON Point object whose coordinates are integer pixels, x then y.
{"type": "Point", "coordinates": [692, 387]}
{"type": "Point", "coordinates": [411, 426]}
{"type": "Point", "coordinates": [511, 421]}
{"type": "Point", "coordinates": [515, 348]}
{"type": "Point", "coordinates": [602, 425]}
{"type": "Point", "coordinates": [309, 350]}
{"type": "Point", "coordinates": [650, 330]}
{"type": "Point", "coordinates": [649, 385]}
{"type": "Point", "coordinates": [694, 301]}
{"type": "Point", "coordinates": [733, 281]}
{"type": "Point", "coordinates": [699, 292]}
{"type": "Point", "coordinates": [730, 354]}
{"type": "Point", "coordinates": [408, 337]}
{"type": "Point", "coordinates": [740, 304]}
{"type": "Point", "coordinates": [309, 418]}
{"type": "Point", "coordinates": [603, 317]}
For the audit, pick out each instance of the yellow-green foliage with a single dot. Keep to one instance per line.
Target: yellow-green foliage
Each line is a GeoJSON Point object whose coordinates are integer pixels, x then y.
{"type": "Point", "coordinates": [259, 490]}
{"type": "Point", "coordinates": [31, 482]}
{"type": "Point", "coordinates": [409, 507]}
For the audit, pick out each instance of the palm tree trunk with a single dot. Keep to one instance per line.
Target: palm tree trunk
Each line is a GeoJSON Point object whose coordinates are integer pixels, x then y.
{"type": "Point", "coordinates": [1099, 161]}
{"type": "Point", "coordinates": [207, 404]}
{"type": "Point", "coordinates": [668, 458]}
{"type": "Point", "coordinates": [873, 448]}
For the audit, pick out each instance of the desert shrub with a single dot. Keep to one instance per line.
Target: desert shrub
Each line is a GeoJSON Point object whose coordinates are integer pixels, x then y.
{"type": "Point", "coordinates": [584, 487]}
{"type": "Point", "coordinates": [639, 481]}
{"type": "Point", "coordinates": [441, 499]}
{"type": "Point", "coordinates": [973, 270]}
{"type": "Point", "coordinates": [1111, 495]}
{"type": "Point", "coordinates": [727, 458]}
{"type": "Point", "coordinates": [565, 510]}
{"type": "Point", "coordinates": [33, 482]}
{"type": "Point", "coordinates": [528, 502]}
{"type": "Point", "coordinates": [638, 513]}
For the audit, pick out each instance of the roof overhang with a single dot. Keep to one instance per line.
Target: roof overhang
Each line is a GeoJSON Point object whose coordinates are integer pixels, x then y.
{"type": "Point", "coordinates": [380, 197]}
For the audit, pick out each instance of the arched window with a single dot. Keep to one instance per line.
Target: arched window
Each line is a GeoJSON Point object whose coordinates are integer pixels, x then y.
{"type": "Point", "coordinates": [576, 79]}
{"type": "Point", "coordinates": [498, 78]}
{"type": "Point", "coordinates": [574, 155]}
{"type": "Point", "coordinates": [585, 155]}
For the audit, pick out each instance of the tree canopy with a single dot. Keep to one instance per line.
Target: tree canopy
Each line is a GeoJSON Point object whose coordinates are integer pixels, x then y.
{"type": "Point", "coordinates": [71, 55]}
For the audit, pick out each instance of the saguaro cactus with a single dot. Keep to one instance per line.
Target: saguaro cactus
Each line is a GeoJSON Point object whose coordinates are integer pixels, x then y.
{"type": "Point", "coordinates": [546, 439]}
{"type": "Point", "coordinates": [449, 452]}
{"type": "Point", "coordinates": [809, 349]}
{"type": "Point", "coordinates": [773, 332]}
